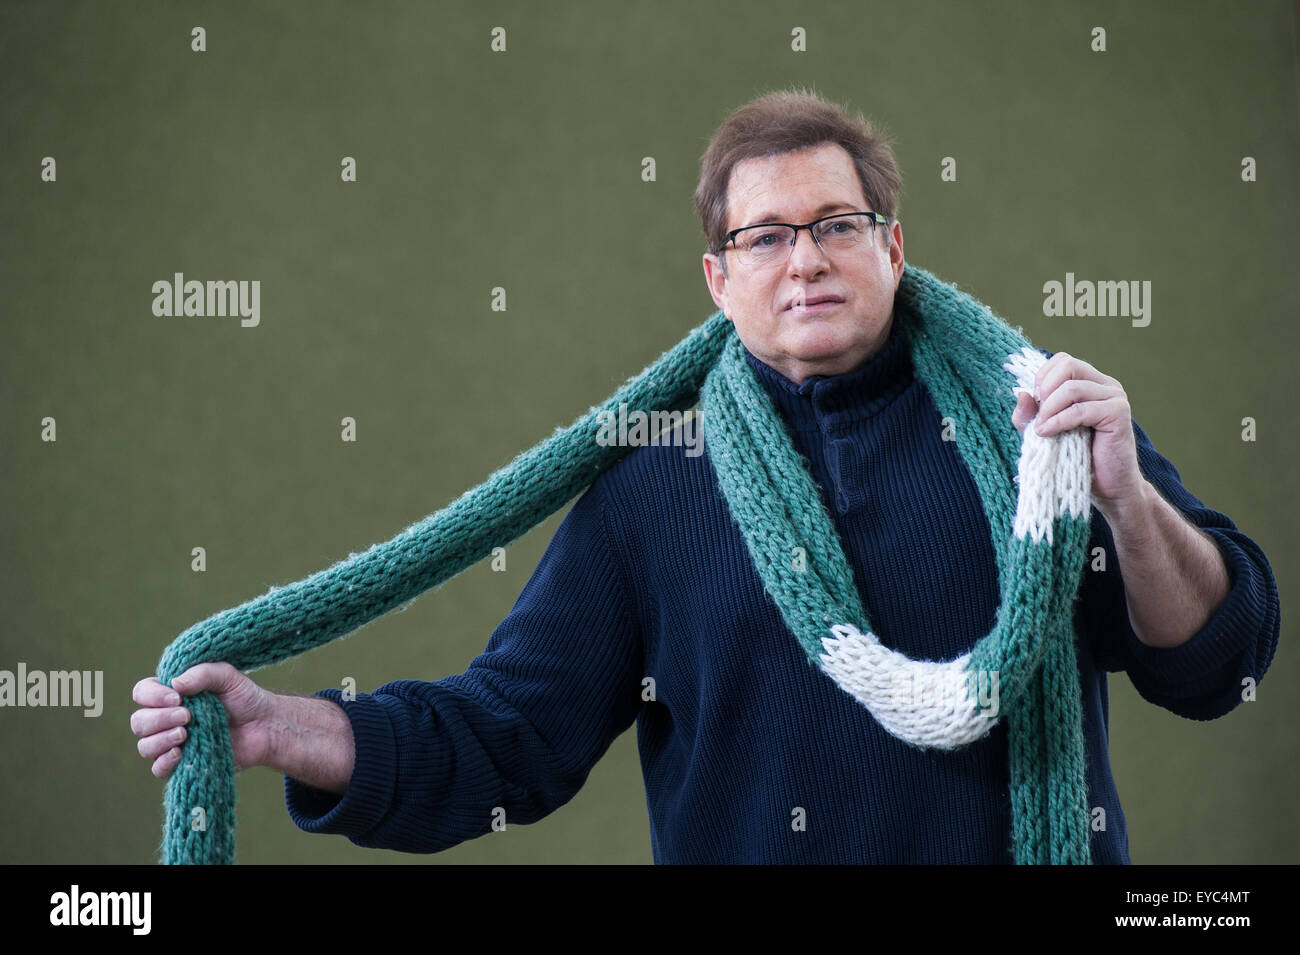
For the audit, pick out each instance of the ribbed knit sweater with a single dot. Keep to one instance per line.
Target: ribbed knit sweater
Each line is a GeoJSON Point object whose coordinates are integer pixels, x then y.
{"type": "Point", "coordinates": [749, 755]}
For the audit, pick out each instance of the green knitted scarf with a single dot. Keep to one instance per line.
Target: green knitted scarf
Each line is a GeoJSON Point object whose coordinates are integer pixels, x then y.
{"type": "Point", "coordinates": [1036, 496]}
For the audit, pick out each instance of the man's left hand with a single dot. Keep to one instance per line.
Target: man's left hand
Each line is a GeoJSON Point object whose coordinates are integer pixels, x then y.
{"type": "Point", "coordinates": [1072, 394]}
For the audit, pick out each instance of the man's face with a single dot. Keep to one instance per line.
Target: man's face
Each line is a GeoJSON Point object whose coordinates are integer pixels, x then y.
{"type": "Point", "coordinates": [799, 187]}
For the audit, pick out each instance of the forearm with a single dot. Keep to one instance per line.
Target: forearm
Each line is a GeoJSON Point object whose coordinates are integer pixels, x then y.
{"type": "Point", "coordinates": [1174, 574]}
{"type": "Point", "coordinates": [311, 741]}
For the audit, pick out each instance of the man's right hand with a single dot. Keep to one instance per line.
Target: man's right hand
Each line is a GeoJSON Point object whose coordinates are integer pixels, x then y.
{"type": "Point", "coordinates": [161, 723]}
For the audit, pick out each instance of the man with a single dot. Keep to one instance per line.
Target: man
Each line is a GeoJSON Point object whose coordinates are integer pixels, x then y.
{"type": "Point", "coordinates": [749, 754]}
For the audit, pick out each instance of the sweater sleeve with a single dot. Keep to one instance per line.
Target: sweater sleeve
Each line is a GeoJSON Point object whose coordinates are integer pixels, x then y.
{"type": "Point", "coordinates": [1201, 679]}
{"type": "Point", "coordinates": [513, 737]}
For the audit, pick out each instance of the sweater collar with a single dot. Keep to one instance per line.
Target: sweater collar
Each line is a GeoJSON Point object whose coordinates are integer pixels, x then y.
{"type": "Point", "coordinates": [824, 402]}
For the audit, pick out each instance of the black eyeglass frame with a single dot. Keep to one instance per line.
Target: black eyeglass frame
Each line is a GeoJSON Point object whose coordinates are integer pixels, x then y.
{"type": "Point", "coordinates": [876, 219]}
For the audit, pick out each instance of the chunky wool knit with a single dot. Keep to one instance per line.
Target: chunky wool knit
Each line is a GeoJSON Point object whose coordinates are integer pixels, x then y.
{"type": "Point", "coordinates": [1037, 537]}
{"type": "Point", "coordinates": [645, 623]}
{"type": "Point", "coordinates": [961, 351]}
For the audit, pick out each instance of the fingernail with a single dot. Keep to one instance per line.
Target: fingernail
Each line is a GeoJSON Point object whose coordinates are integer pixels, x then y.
{"type": "Point", "coordinates": [173, 699]}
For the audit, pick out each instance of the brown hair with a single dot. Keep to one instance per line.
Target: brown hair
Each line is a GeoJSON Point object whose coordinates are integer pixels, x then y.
{"type": "Point", "coordinates": [785, 121]}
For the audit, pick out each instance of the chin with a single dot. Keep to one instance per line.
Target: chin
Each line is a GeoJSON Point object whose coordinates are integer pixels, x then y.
{"type": "Point", "coordinates": [818, 343]}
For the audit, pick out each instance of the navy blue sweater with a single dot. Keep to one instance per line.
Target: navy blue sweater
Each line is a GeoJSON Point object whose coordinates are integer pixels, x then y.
{"type": "Point", "coordinates": [648, 577]}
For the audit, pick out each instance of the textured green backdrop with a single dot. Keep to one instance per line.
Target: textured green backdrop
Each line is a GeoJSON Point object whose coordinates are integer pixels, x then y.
{"type": "Point", "coordinates": [522, 169]}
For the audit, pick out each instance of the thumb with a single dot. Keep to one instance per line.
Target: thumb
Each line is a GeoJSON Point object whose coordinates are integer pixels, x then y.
{"type": "Point", "coordinates": [213, 677]}
{"type": "Point", "coordinates": [1026, 408]}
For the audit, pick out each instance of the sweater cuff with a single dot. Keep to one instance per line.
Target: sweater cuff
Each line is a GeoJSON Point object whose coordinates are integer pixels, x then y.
{"type": "Point", "coordinates": [1208, 663]}
{"type": "Point", "coordinates": [371, 789]}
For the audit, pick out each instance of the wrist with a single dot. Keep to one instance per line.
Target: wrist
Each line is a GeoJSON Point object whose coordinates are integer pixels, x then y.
{"type": "Point", "coordinates": [311, 741]}
{"type": "Point", "coordinates": [1131, 515]}
{"type": "Point", "coordinates": [278, 727]}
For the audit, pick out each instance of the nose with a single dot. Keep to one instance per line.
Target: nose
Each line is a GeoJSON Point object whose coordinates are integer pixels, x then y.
{"type": "Point", "coordinates": [807, 257]}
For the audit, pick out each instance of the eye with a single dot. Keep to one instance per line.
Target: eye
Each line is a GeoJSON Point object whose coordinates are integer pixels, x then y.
{"type": "Point", "coordinates": [840, 228]}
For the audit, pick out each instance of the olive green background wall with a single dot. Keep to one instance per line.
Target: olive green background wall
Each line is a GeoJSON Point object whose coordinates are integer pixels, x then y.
{"type": "Point", "coordinates": [522, 169]}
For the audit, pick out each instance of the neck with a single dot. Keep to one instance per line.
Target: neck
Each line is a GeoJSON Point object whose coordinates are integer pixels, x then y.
{"type": "Point", "coordinates": [828, 400]}
{"type": "Point", "coordinates": [797, 371]}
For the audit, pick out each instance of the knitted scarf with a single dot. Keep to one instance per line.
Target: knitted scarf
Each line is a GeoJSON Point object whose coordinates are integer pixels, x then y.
{"type": "Point", "coordinates": [1036, 495]}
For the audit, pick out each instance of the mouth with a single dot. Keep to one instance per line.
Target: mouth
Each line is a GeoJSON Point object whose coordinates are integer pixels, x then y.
{"type": "Point", "coordinates": [815, 304]}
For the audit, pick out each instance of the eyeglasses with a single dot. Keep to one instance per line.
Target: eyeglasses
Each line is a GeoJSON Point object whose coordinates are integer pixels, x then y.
{"type": "Point", "coordinates": [770, 243]}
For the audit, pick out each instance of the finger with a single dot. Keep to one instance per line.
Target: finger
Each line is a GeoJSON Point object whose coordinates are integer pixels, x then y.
{"type": "Point", "coordinates": [1071, 392]}
{"type": "Point", "coordinates": [166, 763]}
{"type": "Point", "coordinates": [1026, 408]}
{"type": "Point", "coordinates": [148, 722]}
{"type": "Point", "coordinates": [1062, 367]}
{"type": "Point", "coordinates": [206, 677]}
{"type": "Point", "coordinates": [1090, 414]}
{"type": "Point", "coordinates": [151, 747]}
{"type": "Point", "coordinates": [149, 692]}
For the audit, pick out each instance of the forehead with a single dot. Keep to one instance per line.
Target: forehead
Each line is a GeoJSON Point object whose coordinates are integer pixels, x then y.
{"type": "Point", "coordinates": [793, 187]}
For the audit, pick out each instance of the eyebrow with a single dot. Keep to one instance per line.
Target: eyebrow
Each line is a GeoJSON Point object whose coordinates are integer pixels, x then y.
{"type": "Point", "coordinates": [825, 209]}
